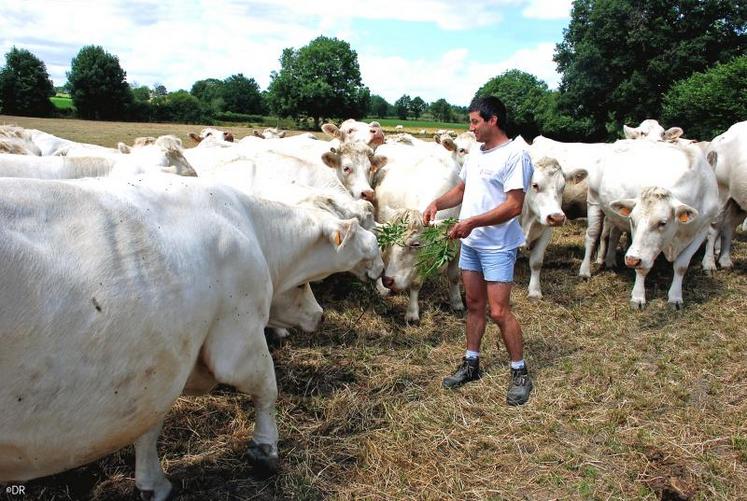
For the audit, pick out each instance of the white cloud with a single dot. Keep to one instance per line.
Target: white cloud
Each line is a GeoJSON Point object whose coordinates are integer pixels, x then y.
{"type": "Point", "coordinates": [548, 9]}
{"type": "Point", "coordinates": [453, 76]}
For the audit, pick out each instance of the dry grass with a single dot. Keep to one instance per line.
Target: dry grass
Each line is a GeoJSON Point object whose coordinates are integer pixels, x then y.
{"type": "Point", "coordinates": [627, 404]}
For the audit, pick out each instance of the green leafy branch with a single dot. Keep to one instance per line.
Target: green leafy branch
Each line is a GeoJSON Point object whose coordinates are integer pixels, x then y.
{"type": "Point", "coordinates": [436, 249]}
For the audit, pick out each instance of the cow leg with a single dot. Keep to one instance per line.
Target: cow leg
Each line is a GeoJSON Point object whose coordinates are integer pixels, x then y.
{"type": "Point", "coordinates": [237, 354]}
{"type": "Point", "coordinates": [638, 296]}
{"type": "Point", "coordinates": [610, 260]}
{"type": "Point", "coordinates": [149, 477]}
{"type": "Point", "coordinates": [412, 315]}
{"type": "Point", "coordinates": [536, 258]}
{"type": "Point", "coordinates": [680, 267]}
{"type": "Point", "coordinates": [709, 258]}
{"type": "Point", "coordinates": [455, 294]}
{"type": "Point", "coordinates": [732, 215]}
{"type": "Point", "coordinates": [594, 220]}
{"type": "Point", "coordinates": [603, 241]}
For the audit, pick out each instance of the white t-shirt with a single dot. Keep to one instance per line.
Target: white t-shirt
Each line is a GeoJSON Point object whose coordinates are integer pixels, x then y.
{"type": "Point", "coordinates": [487, 176]}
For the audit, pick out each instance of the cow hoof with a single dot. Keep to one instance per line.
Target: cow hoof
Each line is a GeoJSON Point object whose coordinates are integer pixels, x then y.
{"type": "Point", "coordinates": [637, 305]}
{"type": "Point", "coordinates": [263, 459]}
{"type": "Point", "coordinates": [162, 495]}
{"type": "Point", "coordinates": [412, 320]}
{"type": "Point", "coordinates": [534, 296]}
{"type": "Point", "coordinates": [676, 305]}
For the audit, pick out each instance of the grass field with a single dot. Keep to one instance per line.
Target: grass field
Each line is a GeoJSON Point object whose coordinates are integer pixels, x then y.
{"type": "Point", "coordinates": [414, 126]}
{"type": "Point", "coordinates": [627, 404]}
{"type": "Point", "coordinates": [62, 102]}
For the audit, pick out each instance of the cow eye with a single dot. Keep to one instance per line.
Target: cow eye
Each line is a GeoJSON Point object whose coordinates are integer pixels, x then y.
{"type": "Point", "coordinates": [414, 244]}
{"type": "Point", "coordinates": [462, 151]}
{"type": "Point", "coordinates": [662, 224]}
{"type": "Point", "coordinates": [347, 170]}
{"type": "Point", "coordinates": [535, 186]}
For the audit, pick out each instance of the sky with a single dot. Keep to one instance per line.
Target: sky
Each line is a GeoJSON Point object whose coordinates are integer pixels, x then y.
{"type": "Point", "coordinates": [428, 48]}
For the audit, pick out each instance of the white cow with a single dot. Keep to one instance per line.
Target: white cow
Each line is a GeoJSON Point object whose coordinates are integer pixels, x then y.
{"type": "Point", "coordinates": [114, 296]}
{"type": "Point", "coordinates": [164, 155]}
{"type": "Point", "coordinates": [352, 130]}
{"type": "Point", "coordinates": [270, 133]}
{"type": "Point", "coordinates": [412, 178]}
{"type": "Point", "coordinates": [728, 153]}
{"type": "Point", "coordinates": [215, 134]}
{"type": "Point", "coordinates": [666, 196]}
{"type": "Point", "coordinates": [651, 130]}
{"type": "Point", "coordinates": [18, 146]}
{"type": "Point", "coordinates": [542, 211]}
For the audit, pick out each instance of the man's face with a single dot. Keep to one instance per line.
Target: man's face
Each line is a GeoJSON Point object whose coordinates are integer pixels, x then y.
{"type": "Point", "coordinates": [480, 127]}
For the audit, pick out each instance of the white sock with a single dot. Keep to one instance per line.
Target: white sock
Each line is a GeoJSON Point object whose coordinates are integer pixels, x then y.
{"type": "Point", "coordinates": [471, 354]}
{"type": "Point", "coordinates": [518, 365]}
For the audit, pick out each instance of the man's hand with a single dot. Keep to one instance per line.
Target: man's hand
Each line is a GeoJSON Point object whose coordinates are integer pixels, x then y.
{"type": "Point", "coordinates": [462, 229]}
{"type": "Point", "coordinates": [429, 214]}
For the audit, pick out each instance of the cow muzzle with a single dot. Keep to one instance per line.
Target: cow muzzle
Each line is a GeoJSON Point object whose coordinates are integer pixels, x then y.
{"type": "Point", "coordinates": [632, 261]}
{"type": "Point", "coordinates": [557, 219]}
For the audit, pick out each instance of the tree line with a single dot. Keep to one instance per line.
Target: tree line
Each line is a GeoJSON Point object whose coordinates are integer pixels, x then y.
{"type": "Point", "coordinates": [621, 61]}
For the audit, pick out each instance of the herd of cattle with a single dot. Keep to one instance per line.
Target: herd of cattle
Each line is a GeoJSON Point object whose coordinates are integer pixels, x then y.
{"type": "Point", "coordinates": [134, 275]}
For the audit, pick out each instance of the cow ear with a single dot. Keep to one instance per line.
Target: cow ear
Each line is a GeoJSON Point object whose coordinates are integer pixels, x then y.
{"type": "Point", "coordinates": [195, 137]}
{"type": "Point", "coordinates": [630, 132]}
{"type": "Point", "coordinates": [258, 134]}
{"type": "Point", "coordinates": [437, 138]}
{"type": "Point", "coordinates": [227, 136]}
{"type": "Point", "coordinates": [576, 176]}
{"type": "Point", "coordinates": [449, 144]}
{"type": "Point", "coordinates": [338, 232]}
{"type": "Point", "coordinates": [673, 133]}
{"type": "Point", "coordinates": [281, 135]}
{"type": "Point", "coordinates": [685, 214]}
{"type": "Point", "coordinates": [377, 162]}
{"type": "Point", "coordinates": [331, 158]}
{"type": "Point", "coordinates": [332, 130]}
{"type": "Point", "coordinates": [623, 207]}
{"type": "Point", "coordinates": [123, 148]}
{"type": "Point", "coordinates": [712, 158]}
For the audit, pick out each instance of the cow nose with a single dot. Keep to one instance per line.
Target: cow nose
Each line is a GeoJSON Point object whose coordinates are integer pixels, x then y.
{"type": "Point", "coordinates": [556, 219]}
{"type": "Point", "coordinates": [632, 261]}
{"type": "Point", "coordinates": [368, 195]}
{"type": "Point", "coordinates": [387, 281]}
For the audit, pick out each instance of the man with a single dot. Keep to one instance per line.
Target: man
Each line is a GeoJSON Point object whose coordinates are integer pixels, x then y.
{"type": "Point", "coordinates": [494, 181]}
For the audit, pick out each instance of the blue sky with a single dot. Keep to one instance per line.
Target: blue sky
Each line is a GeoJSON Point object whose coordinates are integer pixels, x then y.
{"type": "Point", "coordinates": [428, 48]}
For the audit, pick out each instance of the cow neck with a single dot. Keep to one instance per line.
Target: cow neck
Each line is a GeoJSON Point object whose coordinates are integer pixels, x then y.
{"type": "Point", "coordinates": [295, 253]}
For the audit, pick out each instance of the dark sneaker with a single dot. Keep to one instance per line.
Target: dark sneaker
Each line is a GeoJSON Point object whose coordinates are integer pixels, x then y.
{"type": "Point", "coordinates": [469, 370]}
{"type": "Point", "coordinates": [520, 387]}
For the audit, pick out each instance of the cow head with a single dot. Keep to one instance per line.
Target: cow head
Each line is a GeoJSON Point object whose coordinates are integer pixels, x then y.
{"type": "Point", "coordinates": [165, 152]}
{"type": "Point", "coordinates": [355, 244]}
{"type": "Point", "coordinates": [400, 259]}
{"type": "Point", "coordinates": [353, 131]}
{"type": "Point", "coordinates": [354, 163]}
{"type": "Point", "coordinates": [296, 307]}
{"type": "Point", "coordinates": [655, 217]}
{"type": "Point", "coordinates": [545, 196]}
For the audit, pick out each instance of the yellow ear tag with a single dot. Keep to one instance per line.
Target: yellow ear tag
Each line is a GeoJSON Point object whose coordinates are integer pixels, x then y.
{"type": "Point", "coordinates": [625, 211]}
{"type": "Point", "coordinates": [338, 239]}
{"type": "Point", "coordinates": [684, 217]}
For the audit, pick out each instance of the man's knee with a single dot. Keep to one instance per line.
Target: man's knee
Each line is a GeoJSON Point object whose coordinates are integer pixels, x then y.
{"type": "Point", "coordinates": [498, 314]}
{"type": "Point", "coordinates": [475, 305]}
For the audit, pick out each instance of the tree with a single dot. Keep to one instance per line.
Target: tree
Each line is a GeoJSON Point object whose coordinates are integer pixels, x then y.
{"type": "Point", "coordinates": [25, 87]}
{"type": "Point", "coordinates": [141, 93]}
{"type": "Point", "coordinates": [402, 107]}
{"type": "Point", "coordinates": [618, 57]}
{"type": "Point", "coordinates": [210, 92]}
{"type": "Point", "coordinates": [379, 106]}
{"type": "Point", "coordinates": [320, 80]}
{"type": "Point", "coordinates": [441, 110]}
{"type": "Point", "coordinates": [523, 94]}
{"type": "Point", "coordinates": [708, 103]}
{"type": "Point", "coordinates": [179, 106]}
{"type": "Point", "coordinates": [98, 86]}
{"type": "Point", "coordinates": [417, 106]}
{"type": "Point", "coordinates": [159, 89]}
{"type": "Point", "coordinates": [242, 95]}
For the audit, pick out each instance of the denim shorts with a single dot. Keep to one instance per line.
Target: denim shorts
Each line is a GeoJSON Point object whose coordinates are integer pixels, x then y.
{"type": "Point", "coordinates": [495, 265]}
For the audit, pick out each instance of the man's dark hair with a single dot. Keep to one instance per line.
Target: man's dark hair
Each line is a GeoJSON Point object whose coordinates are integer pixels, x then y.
{"type": "Point", "coordinates": [489, 106]}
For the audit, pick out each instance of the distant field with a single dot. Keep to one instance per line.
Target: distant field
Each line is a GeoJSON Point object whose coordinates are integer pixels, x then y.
{"type": "Point", "coordinates": [62, 102]}
{"type": "Point", "coordinates": [415, 125]}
